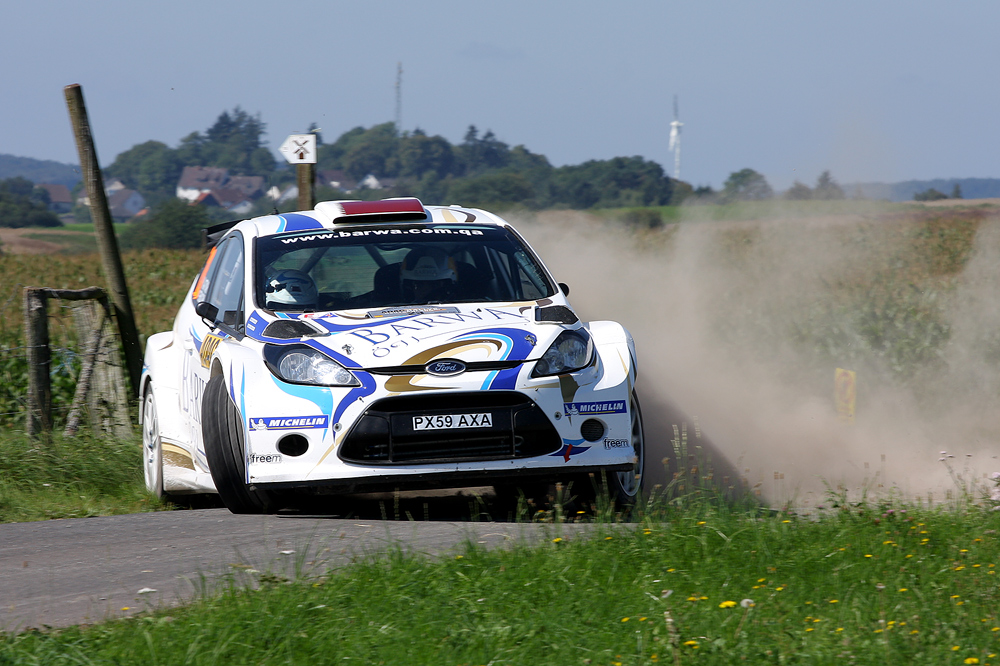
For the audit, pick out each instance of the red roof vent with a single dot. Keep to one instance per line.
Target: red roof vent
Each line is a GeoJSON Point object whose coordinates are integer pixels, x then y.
{"type": "Point", "coordinates": [386, 210]}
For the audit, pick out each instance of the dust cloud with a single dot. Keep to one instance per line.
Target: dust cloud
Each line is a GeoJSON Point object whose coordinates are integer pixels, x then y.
{"type": "Point", "coordinates": [739, 327]}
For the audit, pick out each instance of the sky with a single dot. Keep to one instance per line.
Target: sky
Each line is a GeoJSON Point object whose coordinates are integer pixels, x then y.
{"type": "Point", "coordinates": [873, 91]}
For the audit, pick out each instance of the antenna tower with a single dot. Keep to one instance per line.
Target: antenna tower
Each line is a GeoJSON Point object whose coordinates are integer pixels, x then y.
{"type": "Point", "coordinates": [675, 140]}
{"type": "Point", "coordinates": [399, 97]}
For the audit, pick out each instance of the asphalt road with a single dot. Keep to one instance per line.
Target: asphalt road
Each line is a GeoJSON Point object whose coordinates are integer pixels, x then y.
{"type": "Point", "coordinates": [62, 572]}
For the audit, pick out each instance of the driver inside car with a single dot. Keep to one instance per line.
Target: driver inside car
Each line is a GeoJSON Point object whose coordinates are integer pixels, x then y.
{"type": "Point", "coordinates": [428, 275]}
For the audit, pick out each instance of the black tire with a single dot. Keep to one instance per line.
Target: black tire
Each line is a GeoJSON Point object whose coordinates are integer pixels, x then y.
{"type": "Point", "coordinates": [622, 489]}
{"type": "Point", "coordinates": [222, 430]}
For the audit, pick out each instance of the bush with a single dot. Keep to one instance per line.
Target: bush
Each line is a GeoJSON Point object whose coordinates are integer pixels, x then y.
{"type": "Point", "coordinates": [173, 224]}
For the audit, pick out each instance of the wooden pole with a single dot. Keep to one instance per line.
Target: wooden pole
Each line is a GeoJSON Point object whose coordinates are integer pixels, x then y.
{"type": "Point", "coordinates": [107, 244]}
{"type": "Point", "coordinates": [36, 333]}
{"type": "Point", "coordinates": [306, 176]}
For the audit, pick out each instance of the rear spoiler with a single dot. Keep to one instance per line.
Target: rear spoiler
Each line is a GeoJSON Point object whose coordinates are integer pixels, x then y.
{"type": "Point", "coordinates": [210, 236]}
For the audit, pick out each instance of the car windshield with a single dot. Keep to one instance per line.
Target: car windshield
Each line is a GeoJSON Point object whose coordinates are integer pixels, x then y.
{"type": "Point", "coordinates": [395, 265]}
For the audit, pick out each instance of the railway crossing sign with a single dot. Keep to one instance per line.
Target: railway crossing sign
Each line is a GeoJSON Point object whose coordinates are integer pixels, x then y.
{"type": "Point", "coordinates": [299, 149]}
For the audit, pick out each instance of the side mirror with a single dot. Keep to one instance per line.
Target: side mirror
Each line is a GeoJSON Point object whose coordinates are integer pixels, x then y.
{"type": "Point", "coordinates": [564, 288]}
{"type": "Point", "coordinates": [208, 312]}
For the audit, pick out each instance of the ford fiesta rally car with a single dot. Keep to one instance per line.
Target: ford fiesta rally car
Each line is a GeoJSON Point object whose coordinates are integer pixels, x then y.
{"type": "Point", "coordinates": [367, 346]}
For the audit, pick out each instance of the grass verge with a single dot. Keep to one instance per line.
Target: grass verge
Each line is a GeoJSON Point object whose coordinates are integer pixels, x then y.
{"type": "Point", "coordinates": [704, 583]}
{"type": "Point", "coordinates": [75, 477]}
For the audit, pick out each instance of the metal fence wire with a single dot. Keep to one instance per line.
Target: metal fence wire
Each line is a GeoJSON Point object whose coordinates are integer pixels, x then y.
{"type": "Point", "coordinates": [85, 367]}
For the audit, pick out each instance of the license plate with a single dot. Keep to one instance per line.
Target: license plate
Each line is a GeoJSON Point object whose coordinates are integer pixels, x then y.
{"type": "Point", "coordinates": [449, 421]}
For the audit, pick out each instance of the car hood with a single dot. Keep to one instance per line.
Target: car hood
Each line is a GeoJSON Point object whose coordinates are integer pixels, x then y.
{"type": "Point", "coordinates": [393, 337]}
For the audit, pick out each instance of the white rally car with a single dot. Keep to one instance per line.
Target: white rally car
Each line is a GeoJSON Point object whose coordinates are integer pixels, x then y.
{"type": "Point", "coordinates": [382, 345]}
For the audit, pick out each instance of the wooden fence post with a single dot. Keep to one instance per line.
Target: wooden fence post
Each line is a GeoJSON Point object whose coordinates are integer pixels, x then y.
{"type": "Point", "coordinates": [36, 333]}
{"type": "Point", "coordinates": [306, 180]}
{"type": "Point", "coordinates": [107, 244]}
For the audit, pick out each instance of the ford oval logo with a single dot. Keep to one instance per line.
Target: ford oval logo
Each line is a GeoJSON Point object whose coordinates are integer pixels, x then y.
{"type": "Point", "coordinates": [445, 368]}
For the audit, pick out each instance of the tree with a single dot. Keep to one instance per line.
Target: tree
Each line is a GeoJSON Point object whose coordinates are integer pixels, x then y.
{"type": "Point", "coordinates": [419, 154]}
{"type": "Point", "coordinates": [929, 195]}
{"type": "Point", "coordinates": [491, 190]}
{"type": "Point", "coordinates": [618, 182]}
{"type": "Point", "coordinates": [173, 224]}
{"type": "Point", "coordinates": [956, 192]}
{"type": "Point", "coordinates": [746, 185]}
{"type": "Point", "coordinates": [18, 209]}
{"type": "Point", "coordinates": [798, 192]}
{"type": "Point", "coordinates": [234, 142]}
{"type": "Point", "coordinates": [827, 187]}
{"type": "Point", "coordinates": [152, 168]}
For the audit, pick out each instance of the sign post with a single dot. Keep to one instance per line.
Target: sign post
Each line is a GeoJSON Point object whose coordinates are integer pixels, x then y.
{"type": "Point", "coordinates": [300, 150]}
{"type": "Point", "coordinates": [845, 394]}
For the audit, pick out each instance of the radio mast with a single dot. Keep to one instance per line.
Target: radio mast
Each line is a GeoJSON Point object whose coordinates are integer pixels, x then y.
{"type": "Point", "coordinates": [675, 140]}
{"type": "Point", "coordinates": [399, 97]}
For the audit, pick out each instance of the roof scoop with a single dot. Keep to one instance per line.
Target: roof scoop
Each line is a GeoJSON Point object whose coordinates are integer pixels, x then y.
{"type": "Point", "coordinates": [404, 209]}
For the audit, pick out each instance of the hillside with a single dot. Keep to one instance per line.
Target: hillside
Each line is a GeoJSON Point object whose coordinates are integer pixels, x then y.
{"type": "Point", "coordinates": [972, 188]}
{"type": "Point", "coordinates": [39, 171]}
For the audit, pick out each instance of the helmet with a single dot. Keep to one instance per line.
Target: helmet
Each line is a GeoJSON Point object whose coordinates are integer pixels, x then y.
{"type": "Point", "coordinates": [291, 287]}
{"type": "Point", "coordinates": [429, 264]}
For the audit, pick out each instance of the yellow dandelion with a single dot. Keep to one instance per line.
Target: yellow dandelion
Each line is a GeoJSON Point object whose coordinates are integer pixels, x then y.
{"type": "Point", "coordinates": [818, 619]}
{"type": "Point", "coordinates": [909, 556]}
{"type": "Point", "coordinates": [701, 522]}
{"type": "Point", "coordinates": [761, 580]}
{"type": "Point", "coordinates": [786, 521]}
{"type": "Point", "coordinates": [624, 619]}
{"type": "Point", "coordinates": [642, 619]}
{"type": "Point", "coordinates": [839, 629]}
{"type": "Point", "coordinates": [867, 555]}
{"type": "Point", "coordinates": [964, 550]}
{"type": "Point", "coordinates": [778, 589]}
{"type": "Point", "coordinates": [557, 540]}
{"type": "Point", "coordinates": [959, 568]}
{"type": "Point", "coordinates": [954, 596]}
{"type": "Point", "coordinates": [903, 589]}
{"type": "Point", "coordinates": [955, 648]}
{"type": "Point", "coordinates": [608, 538]}
{"type": "Point", "coordinates": [125, 608]}
{"type": "Point", "coordinates": [971, 660]}
{"type": "Point", "coordinates": [914, 632]}
{"type": "Point", "coordinates": [809, 629]}
{"type": "Point", "coordinates": [458, 557]}
{"type": "Point", "coordinates": [977, 540]}
{"type": "Point", "coordinates": [647, 532]}
{"type": "Point", "coordinates": [885, 543]}
{"type": "Point", "coordinates": [959, 603]}
{"type": "Point", "coordinates": [692, 598]}
{"type": "Point", "coordinates": [832, 601]}
{"type": "Point", "coordinates": [653, 658]}
{"type": "Point", "coordinates": [976, 566]}
{"type": "Point", "coordinates": [878, 631]}
{"type": "Point", "coordinates": [690, 643]}
{"type": "Point", "coordinates": [991, 572]}
{"type": "Point", "coordinates": [703, 598]}
{"type": "Point", "coordinates": [671, 570]}
{"type": "Point", "coordinates": [727, 604]}
{"type": "Point", "coordinates": [995, 629]}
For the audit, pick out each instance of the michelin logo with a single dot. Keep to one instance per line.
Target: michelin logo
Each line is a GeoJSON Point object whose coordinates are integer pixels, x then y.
{"type": "Point", "coordinates": [591, 408]}
{"type": "Point", "coordinates": [282, 423]}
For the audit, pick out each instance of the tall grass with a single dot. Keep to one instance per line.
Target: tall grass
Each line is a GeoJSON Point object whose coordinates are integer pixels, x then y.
{"type": "Point", "coordinates": [57, 477]}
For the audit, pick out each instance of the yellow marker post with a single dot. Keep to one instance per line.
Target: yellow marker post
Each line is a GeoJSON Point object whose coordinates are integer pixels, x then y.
{"type": "Point", "coordinates": [844, 394]}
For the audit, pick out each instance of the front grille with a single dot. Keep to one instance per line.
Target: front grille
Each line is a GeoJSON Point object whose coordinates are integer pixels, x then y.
{"type": "Point", "coordinates": [473, 366]}
{"type": "Point", "coordinates": [385, 435]}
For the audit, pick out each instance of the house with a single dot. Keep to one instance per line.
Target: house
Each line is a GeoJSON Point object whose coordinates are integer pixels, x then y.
{"type": "Point", "coordinates": [370, 182]}
{"type": "Point", "coordinates": [196, 180]}
{"type": "Point", "coordinates": [227, 198]}
{"type": "Point", "coordinates": [125, 203]}
{"type": "Point", "coordinates": [60, 199]}
{"type": "Point", "coordinates": [252, 187]}
{"type": "Point", "coordinates": [337, 179]}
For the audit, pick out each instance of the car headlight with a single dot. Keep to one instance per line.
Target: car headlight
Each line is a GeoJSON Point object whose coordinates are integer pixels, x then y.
{"type": "Point", "coordinates": [299, 364]}
{"type": "Point", "coordinates": [570, 352]}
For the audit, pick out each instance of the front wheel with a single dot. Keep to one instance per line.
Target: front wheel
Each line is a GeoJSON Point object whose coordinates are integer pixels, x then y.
{"type": "Point", "coordinates": [152, 447]}
{"type": "Point", "coordinates": [222, 430]}
{"type": "Point", "coordinates": [621, 488]}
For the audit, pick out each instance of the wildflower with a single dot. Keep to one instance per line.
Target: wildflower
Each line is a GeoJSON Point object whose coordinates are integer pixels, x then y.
{"type": "Point", "coordinates": [671, 570]}
{"type": "Point", "coordinates": [995, 629]}
{"type": "Point", "coordinates": [761, 580]}
{"type": "Point", "coordinates": [903, 589]}
{"type": "Point", "coordinates": [458, 557]}
{"type": "Point", "coordinates": [959, 568]}
{"type": "Point", "coordinates": [701, 522]}
{"type": "Point", "coordinates": [833, 601]}
{"type": "Point", "coordinates": [964, 550]}
{"type": "Point", "coordinates": [747, 603]}
{"type": "Point", "coordinates": [703, 598]}
{"type": "Point", "coordinates": [971, 660]}
{"type": "Point", "coordinates": [955, 648]}
{"type": "Point", "coordinates": [878, 631]}
{"type": "Point", "coordinates": [839, 629]}
{"type": "Point", "coordinates": [691, 644]}
{"type": "Point", "coordinates": [692, 598]}
{"type": "Point", "coordinates": [786, 521]}
{"type": "Point", "coordinates": [557, 540]}
{"type": "Point", "coordinates": [727, 604]}
{"type": "Point", "coordinates": [809, 629]}
{"type": "Point", "coordinates": [642, 619]}
{"type": "Point", "coordinates": [608, 538]}
{"type": "Point", "coordinates": [867, 555]}
{"type": "Point", "coordinates": [624, 619]}
{"type": "Point", "coordinates": [914, 632]}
